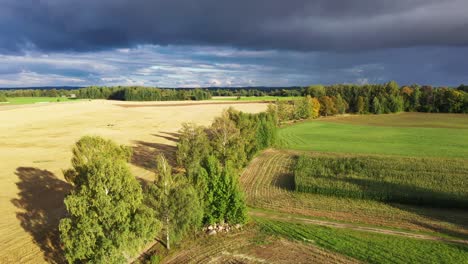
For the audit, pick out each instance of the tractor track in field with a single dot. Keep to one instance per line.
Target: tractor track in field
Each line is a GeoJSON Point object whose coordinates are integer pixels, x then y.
{"type": "Point", "coordinates": [295, 219]}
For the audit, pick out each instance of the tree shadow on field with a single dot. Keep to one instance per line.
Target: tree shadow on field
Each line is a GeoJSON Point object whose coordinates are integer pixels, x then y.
{"type": "Point", "coordinates": [171, 136]}
{"type": "Point", "coordinates": [437, 207]}
{"type": "Point", "coordinates": [144, 154]}
{"type": "Point", "coordinates": [457, 218]}
{"type": "Point", "coordinates": [284, 180]}
{"type": "Point", "coordinates": [41, 203]}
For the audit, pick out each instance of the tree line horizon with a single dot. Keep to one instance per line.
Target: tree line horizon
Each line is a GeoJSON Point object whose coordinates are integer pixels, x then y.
{"type": "Point", "coordinates": [360, 99]}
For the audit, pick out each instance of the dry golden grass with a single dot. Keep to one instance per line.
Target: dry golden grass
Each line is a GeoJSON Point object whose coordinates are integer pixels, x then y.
{"type": "Point", "coordinates": [35, 145]}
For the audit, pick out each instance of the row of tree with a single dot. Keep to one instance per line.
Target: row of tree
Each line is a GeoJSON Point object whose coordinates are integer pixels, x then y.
{"type": "Point", "coordinates": [377, 99]}
{"type": "Point", "coordinates": [369, 98]}
{"type": "Point", "coordinates": [134, 93]}
{"type": "Point", "coordinates": [138, 93]}
{"type": "Point", "coordinates": [110, 216]}
{"type": "Point", "coordinates": [213, 157]}
{"type": "Point", "coordinates": [36, 92]}
{"type": "Point", "coordinates": [390, 98]}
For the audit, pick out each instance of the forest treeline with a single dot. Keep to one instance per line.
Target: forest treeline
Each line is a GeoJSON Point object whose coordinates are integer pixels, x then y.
{"type": "Point", "coordinates": [340, 98]}
{"type": "Point", "coordinates": [134, 93]}
{"type": "Point", "coordinates": [110, 216]}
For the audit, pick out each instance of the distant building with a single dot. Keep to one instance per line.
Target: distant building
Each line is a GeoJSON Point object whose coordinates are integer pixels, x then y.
{"type": "Point", "coordinates": [72, 96]}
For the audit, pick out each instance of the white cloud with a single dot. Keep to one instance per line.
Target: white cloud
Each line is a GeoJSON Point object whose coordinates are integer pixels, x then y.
{"type": "Point", "coordinates": [28, 78]}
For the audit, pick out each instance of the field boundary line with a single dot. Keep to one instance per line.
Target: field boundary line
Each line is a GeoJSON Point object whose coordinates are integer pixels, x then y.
{"type": "Point", "coordinates": [189, 104]}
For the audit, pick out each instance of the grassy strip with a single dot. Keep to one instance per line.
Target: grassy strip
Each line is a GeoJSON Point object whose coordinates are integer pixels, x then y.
{"type": "Point", "coordinates": [402, 141]}
{"type": "Point", "coordinates": [34, 100]}
{"type": "Point", "coordinates": [304, 219]}
{"type": "Point", "coordinates": [405, 119]}
{"type": "Point", "coordinates": [368, 247]}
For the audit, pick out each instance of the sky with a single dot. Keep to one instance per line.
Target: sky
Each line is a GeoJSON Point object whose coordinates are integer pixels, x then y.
{"type": "Point", "coordinates": [187, 43]}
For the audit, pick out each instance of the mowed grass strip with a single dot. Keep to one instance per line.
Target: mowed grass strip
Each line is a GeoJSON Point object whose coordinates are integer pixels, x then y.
{"type": "Point", "coordinates": [34, 100]}
{"type": "Point", "coordinates": [368, 247]}
{"type": "Point", "coordinates": [417, 181]}
{"type": "Point", "coordinates": [403, 141]}
{"type": "Point", "coordinates": [405, 119]}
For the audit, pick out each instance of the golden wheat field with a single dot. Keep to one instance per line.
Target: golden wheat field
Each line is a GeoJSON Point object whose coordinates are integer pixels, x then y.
{"type": "Point", "coordinates": [35, 145]}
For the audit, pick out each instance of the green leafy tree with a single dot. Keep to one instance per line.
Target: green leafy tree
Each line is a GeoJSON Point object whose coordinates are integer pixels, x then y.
{"type": "Point", "coordinates": [226, 141]}
{"type": "Point", "coordinates": [316, 91]}
{"type": "Point", "coordinates": [395, 103]}
{"type": "Point", "coordinates": [361, 105]}
{"type": "Point", "coordinates": [407, 94]}
{"type": "Point", "coordinates": [303, 108]}
{"type": "Point", "coordinates": [392, 88]}
{"type": "Point", "coordinates": [236, 211]}
{"type": "Point", "coordinates": [327, 106]}
{"type": "Point", "coordinates": [376, 107]}
{"type": "Point", "coordinates": [175, 202]}
{"type": "Point", "coordinates": [340, 104]}
{"type": "Point", "coordinates": [285, 111]}
{"type": "Point", "coordinates": [107, 220]}
{"type": "Point", "coordinates": [248, 125]}
{"type": "Point", "coordinates": [3, 98]}
{"type": "Point", "coordinates": [193, 145]}
{"type": "Point", "coordinates": [223, 199]}
{"type": "Point", "coordinates": [415, 100]}
{"type": "Point", "coordinates": [272, 110]}
{"type": "Point", "coordinates": [266, 133]}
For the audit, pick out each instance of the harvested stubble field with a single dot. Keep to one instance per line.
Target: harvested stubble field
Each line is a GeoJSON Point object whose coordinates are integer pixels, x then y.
{"type": "Point", "coordinates": [35, 145]}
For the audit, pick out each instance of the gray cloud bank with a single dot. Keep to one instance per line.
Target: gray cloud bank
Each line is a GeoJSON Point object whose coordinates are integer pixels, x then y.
{"type": "Point", "coordinates": [301, 25]}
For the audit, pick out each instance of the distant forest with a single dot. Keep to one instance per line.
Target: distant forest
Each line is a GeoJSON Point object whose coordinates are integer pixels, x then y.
{"type": "Point", "coordinates": [349, 98]}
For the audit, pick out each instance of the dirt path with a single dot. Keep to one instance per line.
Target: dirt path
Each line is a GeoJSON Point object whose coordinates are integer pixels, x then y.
{"type": "Point", "coordinates": [295, 219]}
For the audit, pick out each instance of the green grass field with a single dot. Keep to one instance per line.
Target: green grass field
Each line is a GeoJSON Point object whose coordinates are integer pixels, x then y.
{"type": "Point", "coordinates": [390, 163]}
{"type": "Point", "coordinates": [417, 181]}
{"type": "Point", "coordinates": [360, 136]}
{"type": "Point", "coordinates": [368, 247]}
{"type": "Point", "coordinates": [412, 119]}
{"type": "Point", "coordinates": [34, 100]}
{"type": "Point", "coordinates": [254, 98]}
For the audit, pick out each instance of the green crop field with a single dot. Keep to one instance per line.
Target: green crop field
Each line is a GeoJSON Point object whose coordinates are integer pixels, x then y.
{"type": "Point", "coordinates": [418, 181]}
{"type": "Point", "coordinates": [421, 140]}
{"type": "Point", "coordinates": [34, 100]}
{"type": "Point", "coordinates": [367, 170]}
{"type": "Point", "coordinates": [254, 98]}
{"type": "Point", "coordinates": [367, 247]}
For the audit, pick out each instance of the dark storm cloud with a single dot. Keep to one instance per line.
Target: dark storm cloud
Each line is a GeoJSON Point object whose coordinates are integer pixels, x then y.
{"type": "Point", "coordinates": [302, 25]}
{"type": "Point", "coordinates": [190, 66]}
